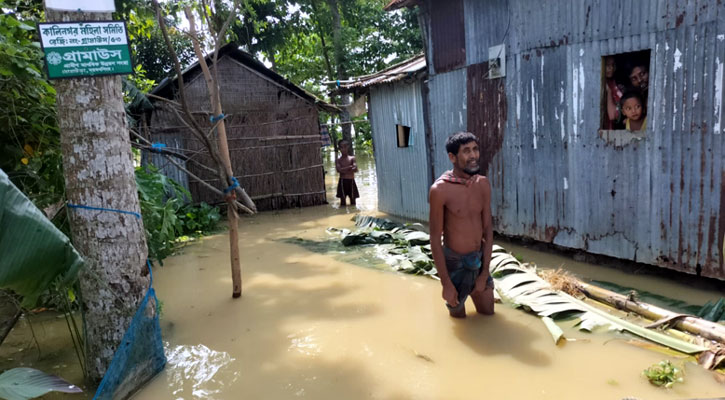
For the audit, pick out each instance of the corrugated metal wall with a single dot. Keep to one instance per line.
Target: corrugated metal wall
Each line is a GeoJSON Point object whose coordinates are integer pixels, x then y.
{"type": "Point", "coordinates": [403, 188]}
{"type": "Point", "coordinates": [447, 99]}
{"type": "Point", "coordinates": [447, 24]}
{"type": "Point", "coordinates": [171, 141]}
{"type": "Point", "coordinates": [659, 200]}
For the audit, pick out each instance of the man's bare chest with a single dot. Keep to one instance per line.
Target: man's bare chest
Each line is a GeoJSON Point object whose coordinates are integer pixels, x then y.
{"type": "Point", "coordinates": [464, 202]}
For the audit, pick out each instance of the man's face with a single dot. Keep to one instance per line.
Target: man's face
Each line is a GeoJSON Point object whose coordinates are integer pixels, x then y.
{"type": "Point", "coordinates": [639, 78]}
{"type": "Point", "coordinates": [467, 158]}
{"type": "Point", "coordinates": [343, 148]}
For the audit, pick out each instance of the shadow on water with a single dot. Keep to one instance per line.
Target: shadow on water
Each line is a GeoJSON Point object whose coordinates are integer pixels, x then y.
{"type": "Point", "coordinates": [499, 334]}
{"type": "Point", "coordinates": [362, 256]}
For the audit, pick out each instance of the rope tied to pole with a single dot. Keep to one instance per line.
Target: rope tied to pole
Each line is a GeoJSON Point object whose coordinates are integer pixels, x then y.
{"type": "Point", "coordinates": [229, 193]}
{"type": "Point", "coordinates": [156, 147]}
{"type": "Point", "coordinates": [135, 214]}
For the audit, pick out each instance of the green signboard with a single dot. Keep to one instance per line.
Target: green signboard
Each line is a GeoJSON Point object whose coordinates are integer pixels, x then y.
{"type": "Point", "coordinates": [87, 48]}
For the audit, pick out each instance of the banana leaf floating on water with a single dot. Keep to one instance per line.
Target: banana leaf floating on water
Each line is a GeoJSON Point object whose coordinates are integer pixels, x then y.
{"type": "Point", "coordinates": [405, 247]}
{"type": "Point", "coordinates": [519, 285]}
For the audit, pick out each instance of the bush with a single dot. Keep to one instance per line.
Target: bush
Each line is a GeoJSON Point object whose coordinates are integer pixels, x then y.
{"type": "Point", "coordinates": [166, 214]}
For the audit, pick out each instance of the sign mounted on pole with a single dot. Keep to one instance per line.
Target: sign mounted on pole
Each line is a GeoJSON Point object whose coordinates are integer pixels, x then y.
{"type": "Point", "coordinates": [85, 48]}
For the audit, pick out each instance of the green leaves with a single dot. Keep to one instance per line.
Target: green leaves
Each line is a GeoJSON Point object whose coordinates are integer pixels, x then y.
{"type": "Point", "coordinates": [34, 252]}
{"type": "Point", "coordinates": [29, 383]}
{"type": "Point", "coordinates": [28, 102]}
{"type": "Point", "coordinates": [663, 374]}
{"type": "Point", "coordinates": [404, 249]}
{"type": "Point", "coordinates": [713, 311]}
{"type": "Point", "coordinates": [166, 216]}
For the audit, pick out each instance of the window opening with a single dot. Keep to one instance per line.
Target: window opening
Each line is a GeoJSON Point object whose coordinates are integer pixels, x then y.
{"type": "Point", "coordinates": [625, 90]}
{"type": "Point", "coordinates": [403, 133]}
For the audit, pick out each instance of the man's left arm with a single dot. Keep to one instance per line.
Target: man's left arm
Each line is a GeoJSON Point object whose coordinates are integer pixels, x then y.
{"type": "Point", "coordinates": [353, 164]}
{"type": "Point", "coordinates": [487, 239]}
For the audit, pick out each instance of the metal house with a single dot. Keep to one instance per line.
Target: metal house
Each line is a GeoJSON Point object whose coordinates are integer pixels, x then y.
{"type": "Point", "coordinates": [272, 128]}
{"type": "Point", "coordinates": [526, 77]}
{"type": "Point", "coordinates": [395, 110]}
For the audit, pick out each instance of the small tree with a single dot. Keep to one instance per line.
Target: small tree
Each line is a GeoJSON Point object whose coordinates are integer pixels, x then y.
{"type": "Point", "coordinates": [216, 146]}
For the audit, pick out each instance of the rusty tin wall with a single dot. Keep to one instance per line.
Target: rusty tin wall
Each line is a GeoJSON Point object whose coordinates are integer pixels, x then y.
{"type": "Point", "coordinates": [447, 24]}
{"type": "Point", "coordinates": [402, 177]}
{"type": "Point", "coordinates": [660, 200]}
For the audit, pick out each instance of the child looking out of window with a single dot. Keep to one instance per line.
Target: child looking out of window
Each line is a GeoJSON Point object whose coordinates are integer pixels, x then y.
{"type": "Point", "coordinates": [633, 109]}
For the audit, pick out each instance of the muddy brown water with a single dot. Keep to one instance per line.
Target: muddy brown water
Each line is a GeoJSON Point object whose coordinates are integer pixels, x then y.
{"type": "Point", "coordinates": [313, 323]}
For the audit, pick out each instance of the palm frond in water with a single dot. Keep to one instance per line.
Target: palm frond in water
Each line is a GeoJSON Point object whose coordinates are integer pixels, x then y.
{"type": "Point", "coordinates": [520, 286]}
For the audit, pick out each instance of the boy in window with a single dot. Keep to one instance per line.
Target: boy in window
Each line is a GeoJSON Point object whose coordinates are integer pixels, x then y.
{"type": "Point", "coordinates": [633, 109]}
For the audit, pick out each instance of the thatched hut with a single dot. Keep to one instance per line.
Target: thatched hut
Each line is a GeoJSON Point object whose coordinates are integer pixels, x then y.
{"type": "Point", "coordinates": [272, 126]}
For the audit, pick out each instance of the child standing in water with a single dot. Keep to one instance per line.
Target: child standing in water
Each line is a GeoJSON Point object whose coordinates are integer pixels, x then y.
{"type": "Point", "coordinates": [633, 109]}
{"type": "Point", "coordinates": [346, 167]}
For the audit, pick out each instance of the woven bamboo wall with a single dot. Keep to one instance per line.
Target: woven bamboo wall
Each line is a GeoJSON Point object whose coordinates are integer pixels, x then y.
{"type": "Point", "coordinates": [273, 136]}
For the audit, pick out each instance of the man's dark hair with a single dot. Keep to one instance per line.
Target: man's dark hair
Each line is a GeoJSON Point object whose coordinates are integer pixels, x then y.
{"type": "Point", "coordinates": [631, 94]}
{"type": "Point", "coordinates": [344, 141]}
{"type": "Point", "coordinates": [638, 64]}
{"type": "Point", "coordinates": [458, 139]}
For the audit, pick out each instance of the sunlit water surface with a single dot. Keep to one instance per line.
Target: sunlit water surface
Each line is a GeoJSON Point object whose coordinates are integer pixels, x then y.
{"type": "Point", "coordinates": [318, 324]}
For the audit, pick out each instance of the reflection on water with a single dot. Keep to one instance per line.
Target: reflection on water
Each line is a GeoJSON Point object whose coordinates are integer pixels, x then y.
{"type": "Point", "coordinates": [304, 342]}
{"type": "Point", "coordinates": [191, 371]}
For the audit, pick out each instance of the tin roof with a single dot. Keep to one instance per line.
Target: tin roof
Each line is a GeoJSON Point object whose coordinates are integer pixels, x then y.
{"type": "Point", "coordinates": [167, 85]}
{"type": "Point", "coordinates": [408, 68]}
{"type": "Point", "coordinates": [396, 4]}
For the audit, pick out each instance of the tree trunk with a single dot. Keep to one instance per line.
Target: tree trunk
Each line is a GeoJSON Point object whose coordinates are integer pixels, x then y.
{"type": "Point", "coordinates": [212, 84]}
{"type": "Point", "coordinates": [697, 326]}
{"type": "Point", "coordinates": [98, 170]}
{"type": "Point", "coordinates": [345, 124]}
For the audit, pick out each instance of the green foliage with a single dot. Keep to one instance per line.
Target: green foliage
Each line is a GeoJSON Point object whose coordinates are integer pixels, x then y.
{"type": "Point", "coordinates": [34, 252]}
{"type": "Point", "coordinates": [663, 374]}
{"type": "Point", "coordinates": [406, 250]}
{"type": "Point", "coordinates": [30, 141]}
{"type": "Point", "coordinates": [363, 135]}
{"type": "Point", "coordinates": [297, 37]}
{"type": "Point", "coordinates": [713, 311]}
{"type": "Point", "coordinates": [150, 52]}
{"type": "Point", "coordinates": [199, 219]}
{"type": "Point", "coordinates": [166, 215]}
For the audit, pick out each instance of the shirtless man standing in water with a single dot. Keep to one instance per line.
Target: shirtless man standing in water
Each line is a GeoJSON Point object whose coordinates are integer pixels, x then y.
{"type": "Point", "coordinates": [460, 209]}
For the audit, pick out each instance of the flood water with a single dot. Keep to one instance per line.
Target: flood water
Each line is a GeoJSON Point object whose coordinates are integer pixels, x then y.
{"type": "Point", "coordinates": [314, 324]}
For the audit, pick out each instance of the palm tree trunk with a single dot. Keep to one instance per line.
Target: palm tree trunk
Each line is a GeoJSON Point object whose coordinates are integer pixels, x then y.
{"type": "Point", "coordinates": [98, 170]}
{"type": "Point", "coordinates": [340, 66]}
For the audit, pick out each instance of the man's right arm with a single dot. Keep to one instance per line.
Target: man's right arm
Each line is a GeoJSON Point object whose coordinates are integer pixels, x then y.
{"type": "Point", "coordinates": [435, 221]}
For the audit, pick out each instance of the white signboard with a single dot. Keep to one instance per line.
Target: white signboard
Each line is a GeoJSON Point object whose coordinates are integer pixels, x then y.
{"type": "Point", "coordinates": [81, 5]}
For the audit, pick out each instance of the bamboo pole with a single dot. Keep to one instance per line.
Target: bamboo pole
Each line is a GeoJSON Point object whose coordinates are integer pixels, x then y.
{"type": "Point", "coordinates": [694, 325]}
{"type": "Point", "coordinates": [215, 101]}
